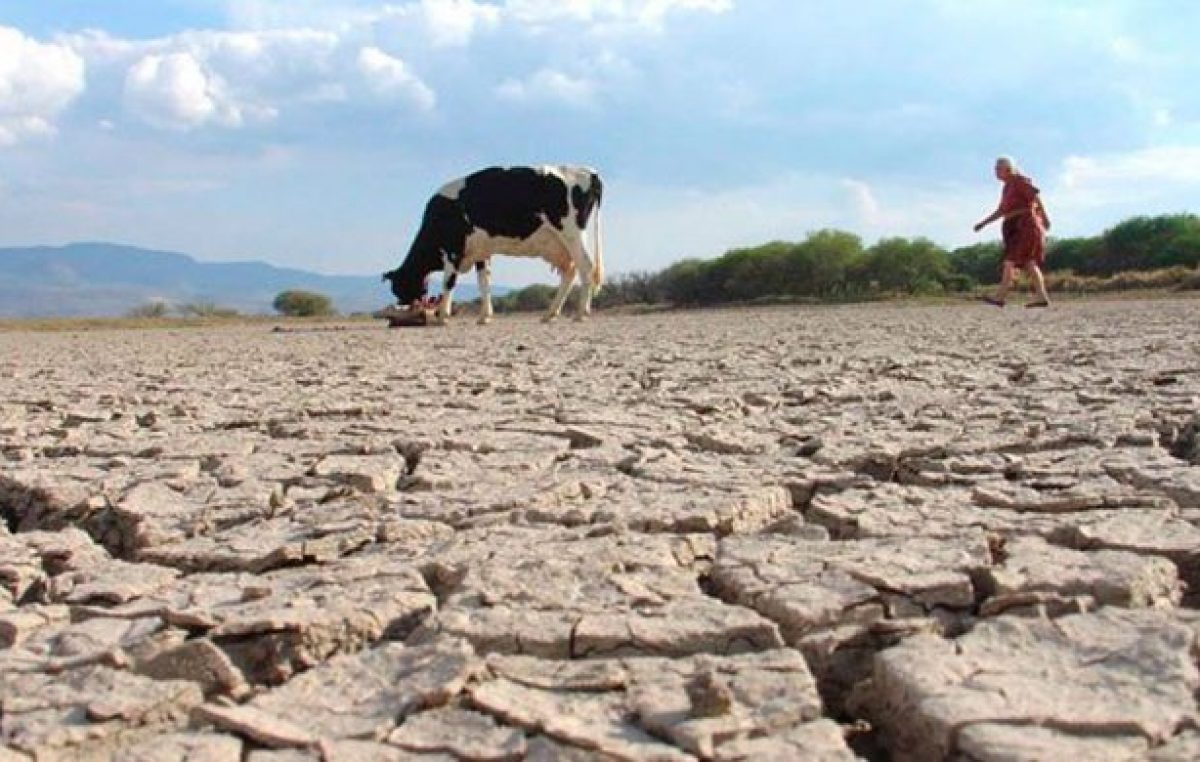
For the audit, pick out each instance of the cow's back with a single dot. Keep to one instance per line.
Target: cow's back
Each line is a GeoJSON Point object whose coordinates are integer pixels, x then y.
{"type": "Point", "coordinates": [512, 202]}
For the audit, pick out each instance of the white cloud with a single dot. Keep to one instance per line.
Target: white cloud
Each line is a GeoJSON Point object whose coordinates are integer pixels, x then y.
{"type": "Point", "coordinates": [551, 11]}
{"type": "Point", "coordinates": [177, 91]}
{"type": "Point", "coordinates": [644, 13]}
{"type": "Point", "coordinates": [863, 198]}
{"type": "Point", "coordinates": [279, 57]}
{"type": "Point", "coordinates": [1126, 49]}
{"type": "Point", "coordinates": [38, 81]}
{"type": "Point", "coordinates": [943, 212]}
{"type": "Point", "coordinates": [1145, 173]}
{"type": "Point", "coordinates": [289, 14]}
{"type": "Point", "coordinates": [652, 12]}
{"type": "Point", "coordinates": [1093, 192]}
{"type": "Point", "coordinates": [201, 79]}
{"type": "Point", "coordinates": [455, 22]}
{"type": "Point", "coordinates": [98, 47]}
{"type": "Point", "coordinates": [387, 75]}
{"type": "Point", "coordinates": [548, 86]}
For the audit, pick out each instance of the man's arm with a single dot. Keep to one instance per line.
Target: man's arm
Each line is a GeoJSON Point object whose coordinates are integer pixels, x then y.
{"type": "Point", "coordinates": [1041, 210]}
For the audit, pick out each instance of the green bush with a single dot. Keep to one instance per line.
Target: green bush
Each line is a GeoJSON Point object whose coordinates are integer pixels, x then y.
{"type": "Point", "coordinates": [684, 283]}
{"type": "Point", "coordinates": [820, 265]}
{"type": "Point", "coordinates": [1080, 255]}
{"type": "Point", "coordinates": [900, 265]}
{"type": "Point", "coordinates": [296, 303]}
{"type": "Point", "coordinates": [1149, 243]}
{"type": "Point", "coordinates": [535, 298]}
{"type": "Point", "coordinates": [979, 262]}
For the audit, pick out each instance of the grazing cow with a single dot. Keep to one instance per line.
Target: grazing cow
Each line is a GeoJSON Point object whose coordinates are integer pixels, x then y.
{"type": "Point", "coordinates": [519, 211]}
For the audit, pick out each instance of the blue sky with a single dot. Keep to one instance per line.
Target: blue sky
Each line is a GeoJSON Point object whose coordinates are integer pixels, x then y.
{"type": "Point", "coordinates": [310, 134]}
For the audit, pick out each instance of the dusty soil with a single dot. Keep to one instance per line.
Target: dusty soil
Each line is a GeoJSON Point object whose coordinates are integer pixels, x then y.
{"type": "Point", "coordinates": [907, 532]}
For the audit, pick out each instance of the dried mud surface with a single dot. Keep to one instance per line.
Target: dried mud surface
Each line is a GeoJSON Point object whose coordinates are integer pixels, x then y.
{"type": "Point", "coordinates": [883, 532]}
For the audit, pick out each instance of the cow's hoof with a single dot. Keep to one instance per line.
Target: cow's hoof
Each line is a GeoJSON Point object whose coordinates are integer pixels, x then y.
{"type": "Point", "coordinates": [549, 318]}
{"type": "Point", "coordinates": [484, 321]}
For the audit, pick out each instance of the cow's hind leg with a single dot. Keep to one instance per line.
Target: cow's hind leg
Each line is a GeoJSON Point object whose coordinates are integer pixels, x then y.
{"type": "Point", "coordinates": [564, 288]}
{"type": "Point", "coordinates": [558, 254]}
{"type": "Point", "coordinates": [583, 266]}
{"type": "Point", "coordinates": [483, 271]}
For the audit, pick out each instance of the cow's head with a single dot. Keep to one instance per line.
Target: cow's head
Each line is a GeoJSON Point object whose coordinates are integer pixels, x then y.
{"type": "Point", "coordinates": [408, 284]}
{"type": "Point", "coordinates": [442, 236]}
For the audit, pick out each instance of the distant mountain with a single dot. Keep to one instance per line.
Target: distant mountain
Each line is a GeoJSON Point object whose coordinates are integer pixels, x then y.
{"type": "Point", "coordinates": [101, 279]}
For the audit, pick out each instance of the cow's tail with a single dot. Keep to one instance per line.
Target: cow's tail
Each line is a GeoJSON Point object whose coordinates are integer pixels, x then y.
{"type": "Point", "coordinates": [598, 240]}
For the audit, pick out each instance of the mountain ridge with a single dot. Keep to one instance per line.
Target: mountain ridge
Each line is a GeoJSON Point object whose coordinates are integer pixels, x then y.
{"type": "Point", "coordinates": [92, 278]}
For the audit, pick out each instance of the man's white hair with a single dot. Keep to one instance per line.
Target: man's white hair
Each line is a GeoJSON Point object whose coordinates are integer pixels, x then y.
{"type": "Point", "coordinates": [1009, 162]}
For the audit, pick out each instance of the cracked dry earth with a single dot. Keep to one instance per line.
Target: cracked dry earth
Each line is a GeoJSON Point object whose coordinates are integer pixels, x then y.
{"type": "Point", "coordinates": [883, 532]}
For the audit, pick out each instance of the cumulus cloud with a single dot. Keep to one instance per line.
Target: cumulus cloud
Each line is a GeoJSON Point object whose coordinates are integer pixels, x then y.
{"type": "Point", "coordinates": [200, 79]}
{"type": "Point", "coordinates": [455, 22]}
{"type": "Point", "coordinates": [387, 75]}
{"type": "Point", "coordinates": [284, 14]}
{"type": "Point", "coordinates": [177, 91]}
{"type": "Point", "coordinates": [278, 57]}
{"type": "Point", "coordinates": [653, 12]}
{"type": "Point", "coordinates": [645, 13]}
{"type": "Point", "coordinates": [38, 81]}
{"type": "Point", "coordinates": [548, 86]}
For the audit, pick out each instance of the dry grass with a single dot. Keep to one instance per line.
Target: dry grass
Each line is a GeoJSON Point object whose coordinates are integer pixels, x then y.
{"type": "Point", "coordinates": [1063, 283]}
{"type": "Point", "coordinates": [1167, 279]}
{"type": "Point", "coordinates": [80, 324]}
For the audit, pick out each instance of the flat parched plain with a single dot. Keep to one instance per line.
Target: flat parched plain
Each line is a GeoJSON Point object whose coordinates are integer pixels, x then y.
{"type": "Point", "coordinates": [897, 531]}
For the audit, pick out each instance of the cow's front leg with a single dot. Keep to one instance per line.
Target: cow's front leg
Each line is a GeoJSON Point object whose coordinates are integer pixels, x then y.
{"type": "Point", "coordinates": [483, 271]}
{"type": "Point", "coordinates": [446, 303]}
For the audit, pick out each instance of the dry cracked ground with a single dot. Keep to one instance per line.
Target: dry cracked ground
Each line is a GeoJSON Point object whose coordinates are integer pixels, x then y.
{"type": "Point", "coordinates": [885, 532]}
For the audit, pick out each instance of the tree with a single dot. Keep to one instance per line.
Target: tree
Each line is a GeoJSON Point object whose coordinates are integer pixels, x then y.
{"type": "Point", "coordinates": [980, 262]}
{"type": "Point", "coordinates": [916, 266]}
{"type": "Point", "coordinates": [1148, 243]}
{"type": "Point", "coordinates": [744, 274]}
{"type": "Point", "coordinates": [1080, 255]}
{"type": "Point", "coordinates": [819, 265]}
{"type": "Point", "coordinates": [683, 282]}
{"type": "Point", "coordinates": [296, 303]}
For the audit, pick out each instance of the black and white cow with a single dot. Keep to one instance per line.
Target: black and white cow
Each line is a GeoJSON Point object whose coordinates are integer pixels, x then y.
{"type": "Point", "coordinates": [520, 211]}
